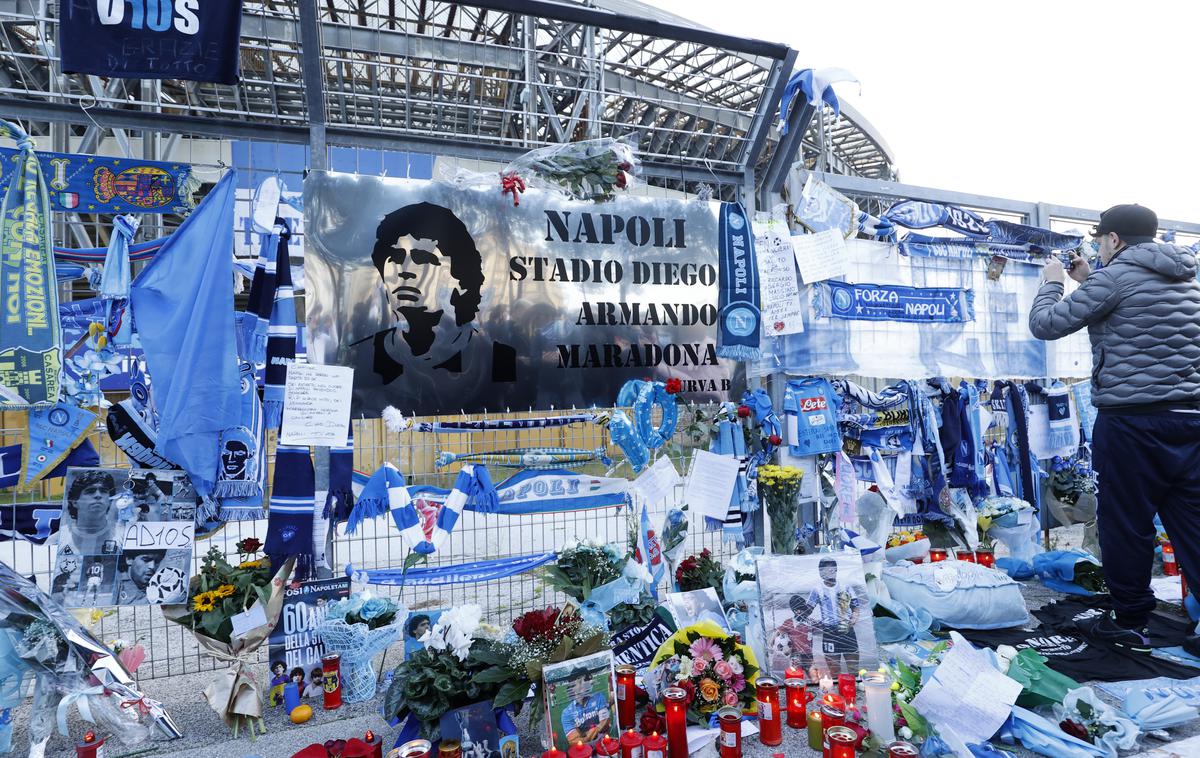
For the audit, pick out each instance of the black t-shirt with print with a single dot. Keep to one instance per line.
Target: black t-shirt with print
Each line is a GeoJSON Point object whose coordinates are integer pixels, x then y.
{"type": "Point", "coordinates": [1075, 615]}
{"type": "Point", "coordinates": [1077, 658]}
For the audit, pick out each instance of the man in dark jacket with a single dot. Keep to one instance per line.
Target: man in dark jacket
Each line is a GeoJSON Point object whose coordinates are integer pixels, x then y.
{"type": "Point", "coordinates": [1141, 308]}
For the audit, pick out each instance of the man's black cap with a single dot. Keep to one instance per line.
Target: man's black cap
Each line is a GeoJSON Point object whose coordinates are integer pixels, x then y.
{"type": "Point", "coordinates": [1133, 223]}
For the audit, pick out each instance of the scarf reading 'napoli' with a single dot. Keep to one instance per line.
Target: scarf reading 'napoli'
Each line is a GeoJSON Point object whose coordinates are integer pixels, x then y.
{"type": "Point", "coordinates": [738, 314]}
{"type": "Point", "coordinates": [290, 520]}
{"type": "Point", "coordinates": [30, 340]}
{"type": "Point", "coordinates": [271, 337]}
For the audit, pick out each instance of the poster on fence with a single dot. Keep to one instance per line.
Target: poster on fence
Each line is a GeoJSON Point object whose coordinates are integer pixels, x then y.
{"type": "Point", "coordinates": [126, 538]}
{"type": "Point", "coordinates": [294, 648]}
{"type": "Point", "coordinates": [447, 299]}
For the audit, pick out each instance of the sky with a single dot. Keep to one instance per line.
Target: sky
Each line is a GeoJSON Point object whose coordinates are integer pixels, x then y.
{"type": "Point", "coordinates": [1085, 104]}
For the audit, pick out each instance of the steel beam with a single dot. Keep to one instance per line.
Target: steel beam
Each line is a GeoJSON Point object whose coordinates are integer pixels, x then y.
{"type": "Point", "coordinates": [764, 116]}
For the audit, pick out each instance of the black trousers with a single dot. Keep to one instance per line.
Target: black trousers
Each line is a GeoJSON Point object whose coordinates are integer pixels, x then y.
{"type": "Point", "coordinates": [1146, 464]}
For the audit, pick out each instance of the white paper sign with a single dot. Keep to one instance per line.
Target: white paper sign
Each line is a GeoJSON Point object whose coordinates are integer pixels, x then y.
{"type": "Point", "coordinates": [165, 535]}
{"type": "Point", "coordinates": [658, 482]}
{"type": "Point", "coordinates": [710, 484]}
{"type": "Point", "coordinates": [316, 405]}
{"type": "Point", "coordinates": [779, 290]}
{"type": "Point", "coordinates": [967, 696]}
{"type": "Point", "coordinates": [821, 256]}
{"type": "Point", "coordinates": [248, 621]}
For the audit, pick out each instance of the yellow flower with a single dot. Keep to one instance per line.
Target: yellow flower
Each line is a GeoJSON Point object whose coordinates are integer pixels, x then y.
{"type": "Point", "coordinates": [709, 690]}
{"type": "Point", "coordinates": [251, 564]}
{"type": "Point", "coordinates": [225, 590]}
{"type": "Point", "coordinates": [204, 602]}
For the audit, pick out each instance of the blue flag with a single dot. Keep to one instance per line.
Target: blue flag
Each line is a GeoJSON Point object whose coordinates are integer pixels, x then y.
{"type": "Point", "coordinates": [649, 552]}
{"type": "Point", "coordinates": [183, 308]}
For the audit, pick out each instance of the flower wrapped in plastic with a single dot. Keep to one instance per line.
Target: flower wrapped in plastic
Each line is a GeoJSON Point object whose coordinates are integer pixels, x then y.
{"type": "Point", "coordinates": [778, 487]}
{"type": "Point", "coordinates": [586, 170]}
{"type": "Point", "coordinates": [357, 629]}
{"type": "Point", "coordinates": [711, 665]}
{"type": "Point", "coordinates": [218, 593]}
{"type": "Point", "coordinates": [41, 639]}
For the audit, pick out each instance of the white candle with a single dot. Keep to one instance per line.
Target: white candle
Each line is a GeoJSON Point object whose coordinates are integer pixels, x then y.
{"type": "Point", "coordinates": [879, 707]}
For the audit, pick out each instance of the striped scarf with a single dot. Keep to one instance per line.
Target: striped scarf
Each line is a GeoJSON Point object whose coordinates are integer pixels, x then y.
{"type": "Point", "coordinates": [272, 334]}
{"type": "Point", "coordinates": [290, 520]}
{"type": "Point", "coordinates": [243, 471]}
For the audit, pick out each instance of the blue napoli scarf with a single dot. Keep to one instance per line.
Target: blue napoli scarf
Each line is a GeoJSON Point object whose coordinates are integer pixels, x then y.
{"type": "Point", "coordinates": [738, 313]}
{"type": "Point", "coordinates": [886, 302]}
{"type": "Point", "coordinates": [274, 338]}
{"type": "Point", "coordinates": [917, 214]}
{"type": "Point", "coordinates": [921, 246]}
{"type": "Point", "coordinates": [290, 520]}
{"type": "Point", "coordinates": [397, 423]}
{"type": "Point", "coordinates": [1009, 233]}
{"type": "Point", "coordinates": [243, 470]}
{"type": "Point", "coordinates": [463, 573]}
{"type": "Point", "coordinates": [340, 500]}
{"type": "Point", "coordinates": [729, 440]}
{"type": "Point", "coordinates": [30, 338]}
{"type": "Point", "coordinates": [52, 433]}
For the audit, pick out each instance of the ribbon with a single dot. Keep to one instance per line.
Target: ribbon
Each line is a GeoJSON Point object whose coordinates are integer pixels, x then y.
{"type": "Point", "coordinates": [528, 457]}
{"type": "Point", "coordinates": [78, 698]}
{"type": "Point", "coordinates": [463, 573]}
{"type": "Point", "coordinates": [512, 184]}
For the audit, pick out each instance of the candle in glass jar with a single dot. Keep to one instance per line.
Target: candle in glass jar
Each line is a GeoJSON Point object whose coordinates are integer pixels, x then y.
{"type": "Point", "coordinates": [626, 696]}
{"type": "Point", "coordinates": [730, 720]}
{"type": "Point", "coordinates": [797, 700]}
{"type": "Point", "coordinates": [793, 672]}
{"type": "Point", "coordinates": [631, 744]}
{"type": "Point", "coordinates": [831, 716]}
{"type": "Point", "coordinates": [580, 750]}
{"type": "Point", "coordinates": [938, 554]}
{"type": "Point", "coordinates": [554, 753]}
{"type": "Point", "coordinates": [815, 732]}
{"type": "Point", "coordinates": [675, 705]}
{"type": "Point", "coordinates": [655, 746]}
{"type": "Point", "coordinates": [848, 688]}
{"type": "Point", "coordinates": [841, 741]}
{"type": "Point", "coordinates": [902, 749]}
{"type": "Point", "coordinates": [986, 558]}
{"type": "Point", "coordinates": [608, 746]}
{"type": "Point", "coordinates": [826, 685]}
{"type": "Point", "coordinates": [877, 689]}
{"type": "Point", "coordinates": [770, 724]}
{"type": "Point", "coordinates": [965, 555]}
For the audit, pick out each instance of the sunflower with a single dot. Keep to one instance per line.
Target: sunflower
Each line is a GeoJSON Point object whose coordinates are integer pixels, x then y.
{"type": "Point", "coordinates": [251, 564]}
{"type": "Point", "coordinates": [204, 602]}
{"type": "Point", "coordinates": [225, 590]}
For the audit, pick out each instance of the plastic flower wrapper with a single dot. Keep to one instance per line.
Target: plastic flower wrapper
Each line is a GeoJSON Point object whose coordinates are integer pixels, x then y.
{"type": "Point", "coordinates": [352, 628]}
{"type": "Point", "coordinates": [711, 665]}
{"type": "Point", "coordinates": [233, 694]}
{"type": "Point", "coordinates": [586, 170]}
{"type": "Point", "coordinates": [778, 487]}
{"type": "Point", "coordinates": [39, 638]}
{"type": "Point", "coordinates": [1162, 711]}
{"type": "Point", "coordinates": [1083, 714]}
{"type": "Point", "coordinates": [598, 577]}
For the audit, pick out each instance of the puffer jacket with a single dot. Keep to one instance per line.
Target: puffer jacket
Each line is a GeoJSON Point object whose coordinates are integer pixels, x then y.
{"type": "Point", "coordinates": [1142, 313]}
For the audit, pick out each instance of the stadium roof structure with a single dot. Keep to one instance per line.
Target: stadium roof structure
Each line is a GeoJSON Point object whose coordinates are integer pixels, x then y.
{"type": "Point", "coordinates": [484, 79]}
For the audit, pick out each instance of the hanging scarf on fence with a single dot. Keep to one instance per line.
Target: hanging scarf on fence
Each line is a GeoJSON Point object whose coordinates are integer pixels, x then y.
{"type": "Point", "coordinates": [463, 573]}
{"type": "Point", "coordinates": [738, 304]}
{"type": "Point", "coordinates": [396, 422]}
{"type": "Point", "coordinates": [138, 251]}
{"type": "Point", "coordinates": [538, 458]}
{"type": "Point", "coordinates": [271, 336]}
{"type": "Point", "coordinates": [290, 518]}
{"type": "Point", "coordinates": [917, 214]}
{"type": "Point", "coordinates": [30, 338]}
{"type": "Point", "coordinates": [1063, 426]}
{"type": "Point", "coordinates": [243, 471]}
{"type": "Point", "coordinates": [339, 502]}
{"type": "Point", "coordinates": [922, 246]}
{"type": "Point", "coordinates": [256, 322]}
{"type": "Point", "coordinates": [114, 282]}
{"type": "Point", "coordinates": [101, 184]}
{"type": "Point", "coordinates": [51, 433]}
{"type": "Point", "coordinates": [1018, 444]}
{"type": "Point", "coordinates": [376, 496]}
{"type": "Point", "coordinates": [729, 440]}
{"type": "Point", "coordinates": [888, 302]}
{"type": "Point", "coordinates": [1009, 233]}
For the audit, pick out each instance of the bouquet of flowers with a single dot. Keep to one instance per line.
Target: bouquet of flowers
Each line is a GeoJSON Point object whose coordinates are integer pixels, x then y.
{"type": "Point", "coordinates": [778, 487]}
{"type": "Point", "coordinates": [1085, 716]}
{"type": "Point", "coordinates": [711, 665]}
{"type": "Point", "coordinates": [443, 676]}
{"type": "Point", "coordinates": [359, 628]}
{"type": "Point", "coordinates": [698, 572]}
{"type": "Point", "coordinates": [536, 639]}
{"type": "Point", "coordinates": [597, 574]}
{"type": "Point", "coordinates": [219, 592]}
{"type": "Point", "coordinates": [587, 170]}
{"type": "Point", "coordinates": [1070, 479]}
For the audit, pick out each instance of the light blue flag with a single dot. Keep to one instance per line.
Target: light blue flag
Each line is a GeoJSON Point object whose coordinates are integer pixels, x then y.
{"type": "Point", "coordinates": [650, 552]}
{"type": "Point", "coordinates": [183, 307]}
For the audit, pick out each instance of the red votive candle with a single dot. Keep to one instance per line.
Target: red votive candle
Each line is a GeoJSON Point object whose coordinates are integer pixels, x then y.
{"type": "Point", "coordinates": [554, 753]}
{"type": "Point", "coordinates": [832, 715]}
{"type": "Point", "coordinates": [608, 745]}
{"type": "Point", "coordinates": [580, 750]}
{"type": "Point", "coordinates": [655, 746]}
{"type": "Point", "coordinates": [937, 554]}
{"type": "Point", "coordinates": [986, 558]}
{"type": "Point", "coordinates": [965, 555]}
{"type": "Point", "coordinates": [730, 720]}
{"type": "Point", "coordinates": [902, 749]}
{"type": "Point", "coordinates": [840, 741]}
{"type": "Point", "coordinates": [375, 742]}
{"type": "Point", "coordinates": [675, 705]}
{"type": "Point", "coordinates": [626, 696]}
{"type": "Point", "coordinates": [770, 723]}
{"type": "Point", "coordinates": [797, 702]}
{"type": "Point", "coordinates": [631, 744]}
{"type": "Point", "coordinates": [848, 688]}
{"type": "Point", "coordinates": [793, 672]}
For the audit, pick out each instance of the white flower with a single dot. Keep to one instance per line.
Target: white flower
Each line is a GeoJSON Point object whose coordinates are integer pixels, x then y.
{"type": "Point", "coordinates": [455, 630]}
{"type": "Point", "coordinates": [735, 663]}
{"type": "Point", "coordinates": [685, 667]}
{"type": "Point", "coordinates": [905, 733]}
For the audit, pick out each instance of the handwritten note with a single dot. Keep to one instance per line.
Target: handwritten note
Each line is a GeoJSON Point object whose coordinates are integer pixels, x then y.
{"type": "Point", "coordinates": [710, 484]}
{"type": "Point", "coordinates": [248, 621]}
{"type": "Point", "coordinates": [967, 696]}
{"type": "Point", "coordinates": [164, 535]}
{"type": "Point", "coordinates": [821, 256]}
{"type": "Point", "coordinates": [658, 482]}
{"type": "Point", "coordinates": [316, 405]}
{"type": "Point", "coordinates": [778, 286]}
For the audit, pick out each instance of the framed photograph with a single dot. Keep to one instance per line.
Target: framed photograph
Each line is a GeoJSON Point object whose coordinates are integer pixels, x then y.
{"type": "Point", "coordinates": [126, 538]}
{"type": "Point", "coordinates": [415, 627]}
{"type": "Point", "coordinates": [698, 605]}
{"type": "Point", "coordinates": [816, 614]}
{"type": "Point", "coordinates": [475, 728]}
{"type": "Point", "coordinates": [581, 704]}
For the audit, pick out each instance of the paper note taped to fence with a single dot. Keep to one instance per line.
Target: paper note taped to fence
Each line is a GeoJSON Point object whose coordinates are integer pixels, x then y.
{"type": "Point", "coordinates": [316, 405]}
{"type": "Point", "coordinates": [820, 256]}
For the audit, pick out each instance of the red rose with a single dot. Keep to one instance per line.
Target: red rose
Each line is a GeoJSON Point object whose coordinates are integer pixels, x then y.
{"type": "Point", "coordinates": [705, 553]}
{"type": "Point", "coordinates": [539, 625]}
{"type": "Point", "coordinates": [652, 722]}
{"type": "Point", "coordinates": [625, 166]}
{"type": "Point", "coordinates": [621, 180]}
{"type": "Point", "coordinates": [674, 386]}
{"type": "Point", "coordinates": [1075, 729]}
{"type": "Point", "coordinates": [775, 439]}
{"type": "Point", "coordinates": [743, 411]}
{"type": "Point", "coordinates": [249, 545]}
{"type": "Point", "coordinates": [690, 689]}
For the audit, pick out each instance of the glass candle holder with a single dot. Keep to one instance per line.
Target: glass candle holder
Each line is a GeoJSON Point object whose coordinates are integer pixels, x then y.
{"type": "Point", "coordinates": [730, 720]}
{"type": "Point", "coordinates": [655, 746]}
{"type": "Point", "coordinates": [631, 744]}
{"type": "Point", "coordinates": [841, 741]}
{"type": "Point", "coordinates": [848, 688]}
{"type": "Point", "coordinates": [770, 723]}
{"type": "Point", "coordinates": [902, 749]}
{"type": "Point", "coordinates": [675, 707]}
{"type": "Point", "coordinates": [816, 734]}
{"type": "Point", "coordinates": [797, 702]}
{"type": "Point", "coordinates": [608, 746]}
{"type": "Point", "coordinates": [937, 554]}
{"type": "Point", "coordinates": [965, 555]}
{"type": "Point", "coordinates": [626, 696]}
{"type": "Point", "coordinates": [877, 692]}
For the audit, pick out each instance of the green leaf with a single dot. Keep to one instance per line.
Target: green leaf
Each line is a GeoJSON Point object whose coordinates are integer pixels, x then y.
{"type": "Point", "coordinates": [495, 675]}
{"type": "Point", "coordinates": [415, 559]}
{"type": "Point", "coordinates": [513, 692]}
{"type": "Point", "coordinates": [916, 722]}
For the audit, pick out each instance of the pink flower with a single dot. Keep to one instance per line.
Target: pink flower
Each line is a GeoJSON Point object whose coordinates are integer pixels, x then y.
{"type": "Point", "coordinates": [723, 670]}
{"type": "Point", "coordinates": [737, 683]}
{"type": "Point", "coordinates": [699, 667]}
{"type": "Point", "coordinates": [705, 649]}
{"type": "Point", "coordinates": [730, 698]}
